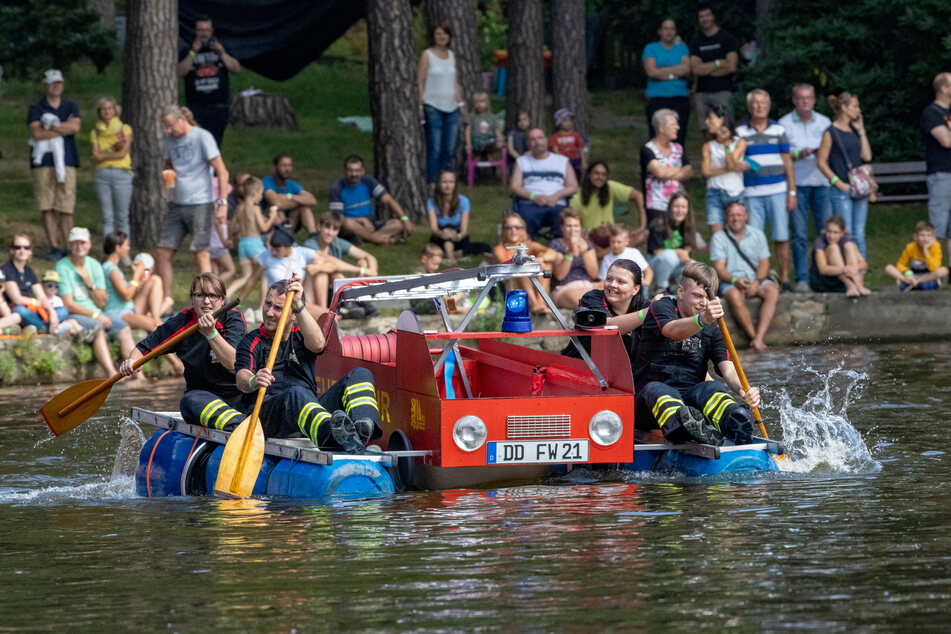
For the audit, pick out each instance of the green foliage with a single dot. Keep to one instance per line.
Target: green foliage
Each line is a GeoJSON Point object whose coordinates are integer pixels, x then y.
{"type": "Point", "coordinates": [493, 32]}
{"type": "Point", "coordinates": [49, 363]}
{"type": "Point", "coordinates": [8, 367]}
{"type": "Point", "coordinates": [885, 51]}
{"type": "Point", "coordinates": [83, 352]}
{"type": "Point", "coordinates": [40, 34]}
{"type": "Point", "coordinates": [35, 358]}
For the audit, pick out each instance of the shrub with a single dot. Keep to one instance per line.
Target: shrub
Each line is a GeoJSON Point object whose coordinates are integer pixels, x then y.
{"type": "Point", "coordinates": [8, 367]}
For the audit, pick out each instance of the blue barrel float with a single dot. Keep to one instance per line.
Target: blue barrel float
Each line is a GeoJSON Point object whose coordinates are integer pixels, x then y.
{"type": "Point", "coordinates": [172, 463]}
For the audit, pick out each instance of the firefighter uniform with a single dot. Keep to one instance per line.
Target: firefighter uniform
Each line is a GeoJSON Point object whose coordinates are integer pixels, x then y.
{"type": "Point", "coordinates": [670, 374]}
{"type": "Point", "coordinates": [209, 386]}
{"type": "Point", "coordinates": [291, 406]}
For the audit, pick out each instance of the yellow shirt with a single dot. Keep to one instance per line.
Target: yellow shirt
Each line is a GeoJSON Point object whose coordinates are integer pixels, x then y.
{"type": "Point", "coordinates": [593, 214]}
{"type": "Point", "coordinates": [912, 259]}
{"type": "Point", "coordinates": [107, 135]}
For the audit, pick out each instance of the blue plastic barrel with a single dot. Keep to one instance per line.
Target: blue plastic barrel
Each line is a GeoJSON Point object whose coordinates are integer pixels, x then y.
{"type": "Point", "coordinates": [344, 478]}
{"type": "Point", "coordinates": [163, 461]}
{"type": "Point", "coordinates": [214, 462]}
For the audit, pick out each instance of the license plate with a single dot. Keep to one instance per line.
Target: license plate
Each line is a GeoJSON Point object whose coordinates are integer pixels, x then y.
{"type": "Point", "coordinates": [536, 451]}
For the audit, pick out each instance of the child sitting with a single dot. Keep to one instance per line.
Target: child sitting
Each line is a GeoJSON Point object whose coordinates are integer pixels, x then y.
{"type": "Point", "coordinates": [837, 265]}
{"type": "Point", "coordinates": [429, 262]}
{"type": "Point", "coordinates": [51, 289]}
{"type": "Point", "coordinates": [567, 142]}
{"type": "Point", "coordinates": [249, 224]}
{"type": "Point", "coordinates": [518, 138]}
{"type": "Point", "coordinates": [620, 240]}
{"type": "Point", "coordinates": [919, 267]}
{"type": "Point", "coordinates": [328, 263]}
{"type": "Point", "coordinates": [484, 132]}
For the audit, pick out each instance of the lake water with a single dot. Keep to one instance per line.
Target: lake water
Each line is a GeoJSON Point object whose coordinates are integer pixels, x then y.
{"type": "Point", "coordinates": [856, 535]}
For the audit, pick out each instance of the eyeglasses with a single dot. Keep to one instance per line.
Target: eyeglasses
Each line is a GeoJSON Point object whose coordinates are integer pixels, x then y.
{"type": "Point", "coordinates": [511, 227]}
{"type": "Point", "coordinates": [19, 247]}
{"type": "Point", "coordinates": [51, 285]}
{"type": "Point", "coordinates": [203, 296]}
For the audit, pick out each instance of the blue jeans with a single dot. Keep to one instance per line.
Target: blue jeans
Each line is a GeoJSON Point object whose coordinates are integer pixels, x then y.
{"type": "Point", "coordinates": [114, 188]}
{"type": "Point", "coordinates": [855, 213]}
{"type": "Point", "coordinates": [816, 198]}
{"type": "Point", "coordinates": [536, 217]}
{"type": "Point", "coordinates": [717, 200]}
{"type": "Point", "coordinates": [442, 129]}
{"type": "Point", "coordinates": [29, 318]}
{"type": "Point", "coordinates": [939, 203]}
{"type": "Point", "coordinates": [666, 265]}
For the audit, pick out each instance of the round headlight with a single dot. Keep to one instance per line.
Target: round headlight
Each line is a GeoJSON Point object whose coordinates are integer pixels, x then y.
{"type": "Point", "coordinates": [469, 433]}
{"type": "Point", "coordinates": [605, 427]}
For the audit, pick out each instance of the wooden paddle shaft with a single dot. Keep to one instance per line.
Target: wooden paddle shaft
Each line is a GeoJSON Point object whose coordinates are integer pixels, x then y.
{"type": "Point", "coordinates": [160, 349]}
{"type": "Point", "coordinates": [271, 358]}
{"type": "Point", "coordinates": [739, 371]}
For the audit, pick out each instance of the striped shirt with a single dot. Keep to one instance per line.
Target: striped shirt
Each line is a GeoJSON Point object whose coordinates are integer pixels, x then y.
{"type": "Point", "coordinates": [765, 148]}
{"type": "Point", "coordinates": [545, 176]}
{"type": "Point", "coordinates": [356, 201]}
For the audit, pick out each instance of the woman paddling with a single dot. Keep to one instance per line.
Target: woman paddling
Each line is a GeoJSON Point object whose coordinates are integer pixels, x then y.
{"type": "Point", "coordinates": [208, 355]}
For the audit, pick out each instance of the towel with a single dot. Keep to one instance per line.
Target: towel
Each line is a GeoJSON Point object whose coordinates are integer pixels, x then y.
{"type": "Point", "coordinates": [56, 145]}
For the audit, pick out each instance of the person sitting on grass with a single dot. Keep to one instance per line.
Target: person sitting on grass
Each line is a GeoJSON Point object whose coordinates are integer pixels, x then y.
{"type": "Point", "coordinates": [514, 233]}
{"type": "Point", "coordinates": [575, 273]}
{"type": "Point", "coordinates": [430, 261]}
{"type": "Point", "coordinates": [595, 203]}
{"type": "Point", "coordinates": [448, 212]}
{"type": "Point", "coordinates": [83, 289]}
{"type": "Point", "coordinates": [250, 224]}
{"type": "Point", "coordinates": [620, 249]}
{"type": "Point", "coordinates": [328, 263]}
{"type": "Point", "coordinates": [484, 132]}
{"type": "Point", "coordinates": [919, 267]}
{"type": "Point", "coordinates": [837, 265]}
{"type": "Point", "coordinates": [354, 196]}
{"type": "Point", "coordinates": [138, 302]}
{"type": "Point", "coordinates": [22, 290]}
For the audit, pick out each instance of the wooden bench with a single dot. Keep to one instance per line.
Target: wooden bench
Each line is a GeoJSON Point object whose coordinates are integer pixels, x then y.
{"type": "Point", "coordinates": [906, 172]}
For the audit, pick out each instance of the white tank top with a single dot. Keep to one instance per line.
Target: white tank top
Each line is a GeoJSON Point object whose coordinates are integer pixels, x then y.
{"type": "Point", "coordinates": [440, 89]}
{"type": "Point", "coordinates": [544, 176]}
{"type": "Point", "coordinates": [731, 182]}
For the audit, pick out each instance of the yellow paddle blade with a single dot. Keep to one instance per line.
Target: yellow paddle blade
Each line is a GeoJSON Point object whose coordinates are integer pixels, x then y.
{"type": "Point", "coordinates": [62, 424]}
{"type": "Point", "coordinates": [241, 461]}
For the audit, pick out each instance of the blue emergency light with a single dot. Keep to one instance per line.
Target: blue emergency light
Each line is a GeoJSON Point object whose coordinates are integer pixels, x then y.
{"type": "Point", "coordinates": [517, 318]}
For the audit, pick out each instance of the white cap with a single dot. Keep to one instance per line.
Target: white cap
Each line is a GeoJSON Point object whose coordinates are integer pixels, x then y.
{"type": "Point", "coordinates": [52, 75]}
{"type": "Point", "coordinates": [145, 259]}
{"type": "Point", "coordinates": [78, 234]}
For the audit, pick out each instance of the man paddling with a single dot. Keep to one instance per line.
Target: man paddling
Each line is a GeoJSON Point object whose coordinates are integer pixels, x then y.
{"type": "Point", "coordinates": [291, 406]}
{"type": "Point", "coordinates": [208, 355]}
{"type": "Point", "coordinates": [679, 338]}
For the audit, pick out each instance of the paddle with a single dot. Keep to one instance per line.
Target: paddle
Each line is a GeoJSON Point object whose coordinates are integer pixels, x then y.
{"type": "Point", "coordinates": [244, 451]}
{"type": "Point", "coordinates": [75, 405]}
{"type": "Point", "coordinates": [742, 375]}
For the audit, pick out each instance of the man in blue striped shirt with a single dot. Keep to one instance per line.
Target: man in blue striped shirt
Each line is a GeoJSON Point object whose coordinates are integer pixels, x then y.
{"type": "Point", "coordinates": [771, 181]}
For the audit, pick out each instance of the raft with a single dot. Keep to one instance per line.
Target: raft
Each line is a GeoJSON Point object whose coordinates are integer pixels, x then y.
{"type": "Point", "coordinates": [651, 453]}
{"type": "Point", "coordinates": [183, 459]}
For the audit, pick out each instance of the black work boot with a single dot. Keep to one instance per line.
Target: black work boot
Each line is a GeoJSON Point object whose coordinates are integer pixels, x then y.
{"type": "Point", "coordinates": [738, 426]}
{"type": "Point", "coordinates": [365, 428]}
{"type": "Point", "coordinates": [699, 429]}
{"type": "Point", "coordinates": [345, 433]}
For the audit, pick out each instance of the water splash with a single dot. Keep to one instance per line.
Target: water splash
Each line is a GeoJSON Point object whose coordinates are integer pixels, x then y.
{"type": "Point", "coordinates": [132, 439]}
{"type": "Point", "coordinates": [119, 488]}
{"type": "Point", "coordinates": [818, 435]}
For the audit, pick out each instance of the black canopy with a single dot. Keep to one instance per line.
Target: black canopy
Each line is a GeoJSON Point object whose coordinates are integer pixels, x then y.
{"type": "Point", "coordinates": [276, 38]}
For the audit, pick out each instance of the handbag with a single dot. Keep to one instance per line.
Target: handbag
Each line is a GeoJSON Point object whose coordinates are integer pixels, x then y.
{"type": "Point", "coordinates": [861, 179]}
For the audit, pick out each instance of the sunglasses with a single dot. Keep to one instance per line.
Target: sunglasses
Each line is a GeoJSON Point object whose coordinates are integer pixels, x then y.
{"type": "Point", "coordinates": [20, 247]}
{"type": "Point", "coordinates": [203, 296]}
{"type": "Point", "coordinates": [511, 227]}
{"type": "Point", "coordinates": [51, 285]}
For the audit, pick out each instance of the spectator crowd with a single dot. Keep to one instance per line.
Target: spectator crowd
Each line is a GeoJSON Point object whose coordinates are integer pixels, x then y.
{"type": "Point", "coordinates": [763, 171]}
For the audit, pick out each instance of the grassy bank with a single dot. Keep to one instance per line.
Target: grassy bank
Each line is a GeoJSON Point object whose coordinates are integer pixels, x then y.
{"type": "Point", "coordinates": [320, 94]}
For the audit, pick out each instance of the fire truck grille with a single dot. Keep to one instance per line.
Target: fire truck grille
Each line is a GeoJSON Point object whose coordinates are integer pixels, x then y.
{"type": "Point", "coordinates": [554, 426]}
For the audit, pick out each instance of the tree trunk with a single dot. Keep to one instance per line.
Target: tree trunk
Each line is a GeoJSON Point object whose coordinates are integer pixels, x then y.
{"type": "Point", "coordinates": [460, 17]}
{"type": "Point", "coordinates": [149, 85]}
{"type": "Point", "coordinates": [398, 147]}
{"type": "Point", "coordinates": [569, 61]}
{"type": "Point", "coordinates": [107, 13]}
{"type": "Point", "coordinates": [525, 75]}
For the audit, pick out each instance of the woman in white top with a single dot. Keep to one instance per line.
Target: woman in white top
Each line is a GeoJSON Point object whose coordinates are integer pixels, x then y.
{"type": "Point", "coordinates": [440, 96]}
{"type": "Point", "coordinates": [723, 165]}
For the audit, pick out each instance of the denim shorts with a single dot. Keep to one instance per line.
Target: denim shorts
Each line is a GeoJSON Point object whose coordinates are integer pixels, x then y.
{"type": "Point", "coordinates": [717, 200]}
{"type": "Point", "coordinates": [773, 209]}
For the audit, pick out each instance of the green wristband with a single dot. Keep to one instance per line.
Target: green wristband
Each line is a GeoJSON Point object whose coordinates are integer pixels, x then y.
{"type": "Point", "coordinates": [733, 281]}
{"type": "Point", "coordinates": [214, 333]}
{"type": "Point", "coordinates": [833, 180]}
{"type": "Point", "coordinates": [640, 314]}
{"type": "Point", "coordinates": [251, 387]}
{"type": "Point", "coordinates": [531, 196]}
{"type": "Point", "coordinates": [909, 272]}
{"type": "Point", "coordinates": [699, 323]}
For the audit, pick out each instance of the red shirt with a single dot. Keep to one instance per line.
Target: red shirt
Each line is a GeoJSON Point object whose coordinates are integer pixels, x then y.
{"type": "Point", "coordinates": [568, 144]}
